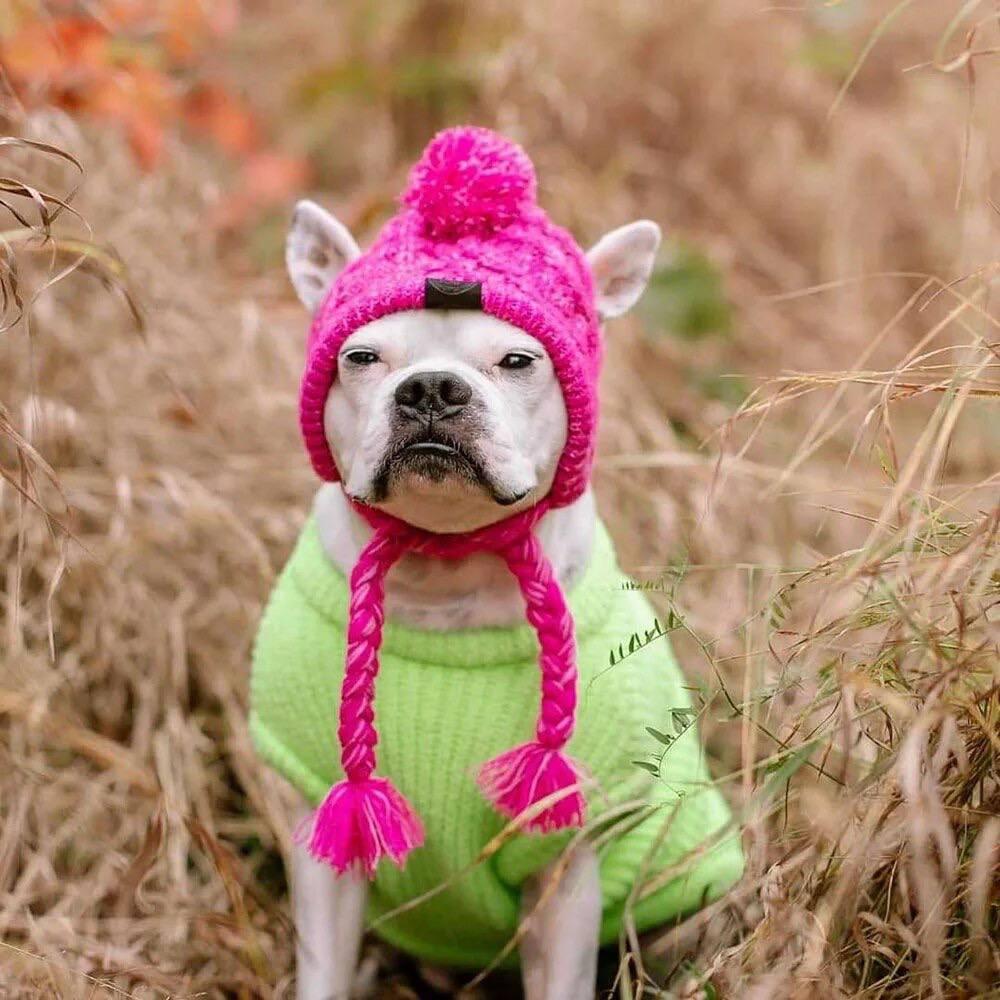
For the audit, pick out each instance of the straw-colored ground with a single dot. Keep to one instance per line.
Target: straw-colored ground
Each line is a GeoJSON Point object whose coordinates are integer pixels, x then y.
{"type": "Point", "coordinates": [832, 547]}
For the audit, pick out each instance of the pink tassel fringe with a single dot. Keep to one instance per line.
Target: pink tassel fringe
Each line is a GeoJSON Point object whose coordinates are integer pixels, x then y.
{"type": "Point", "coordinates": [360, 822]}
{"type": "Point", "coordinates": [518, 778]}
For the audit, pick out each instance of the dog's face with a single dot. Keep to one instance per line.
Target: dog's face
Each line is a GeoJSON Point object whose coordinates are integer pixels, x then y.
{"type": "Point", "coordinates": [449, 419]}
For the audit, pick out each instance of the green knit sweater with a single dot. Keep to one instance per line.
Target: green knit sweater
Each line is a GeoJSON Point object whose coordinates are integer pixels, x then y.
{"type": "Point", "coordinates": [446, 702]}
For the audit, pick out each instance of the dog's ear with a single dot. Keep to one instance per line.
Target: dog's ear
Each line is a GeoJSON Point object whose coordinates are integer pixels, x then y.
{"type": "Point", "coordinates": [621, 262]}
{"type": "Point", "coordinates": [317, 249]}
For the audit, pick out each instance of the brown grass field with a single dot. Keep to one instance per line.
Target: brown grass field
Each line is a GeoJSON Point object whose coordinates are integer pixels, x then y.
{"type": "Point", "coordinates": [800, 452]}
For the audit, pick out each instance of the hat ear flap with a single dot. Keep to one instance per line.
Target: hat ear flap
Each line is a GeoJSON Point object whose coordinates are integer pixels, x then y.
{"type": "Point", "coordinates": [317, 248]}
{"type": "Point", "coordinates": [364, 818]}
{"type": "Point", "coordinates": [621, 262]}
{"type": "Point", "coordinates": [538, 778]}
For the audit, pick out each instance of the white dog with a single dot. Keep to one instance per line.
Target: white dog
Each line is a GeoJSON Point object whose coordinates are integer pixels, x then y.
{"type": "Point", "coordinates": [517, 429]}
{"type": "Point", "coordinates": [449, 401]}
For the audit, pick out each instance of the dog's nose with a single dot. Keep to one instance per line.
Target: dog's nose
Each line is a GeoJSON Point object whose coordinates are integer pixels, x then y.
{"type": "Point", "coordinates": [433, 395]}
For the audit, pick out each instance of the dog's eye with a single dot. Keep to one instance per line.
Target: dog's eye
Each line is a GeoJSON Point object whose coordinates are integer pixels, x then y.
{"type": "Point", "coordinates": [361, 357]}
{"type": "Point", "coordinates": [515, 360]}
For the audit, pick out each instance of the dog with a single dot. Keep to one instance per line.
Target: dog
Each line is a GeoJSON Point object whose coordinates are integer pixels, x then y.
{"type": "Point", "coordinates": [452, 420]}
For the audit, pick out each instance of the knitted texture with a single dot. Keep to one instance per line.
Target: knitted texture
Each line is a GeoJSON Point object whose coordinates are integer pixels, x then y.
{"type": "Point", "coordinates": [356, 827]}
{"type": "Point", "coordinates": [363, 819]}
{"type": "Point", "coordinates": [519, 778]}
{"type": "Point", "coordinates": [447, 701]}
{"type": "Point", "coordinates": [470, 182]}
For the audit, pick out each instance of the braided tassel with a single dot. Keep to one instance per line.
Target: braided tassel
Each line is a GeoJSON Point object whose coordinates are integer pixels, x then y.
{"type": "Point", "coordinates": [519, 778]}
{"type": "Point", "coordinates": [364, 818]}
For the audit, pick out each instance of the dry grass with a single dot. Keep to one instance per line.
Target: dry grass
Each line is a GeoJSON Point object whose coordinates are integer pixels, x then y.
{"type": "Point", "coordinates": [832, 548]}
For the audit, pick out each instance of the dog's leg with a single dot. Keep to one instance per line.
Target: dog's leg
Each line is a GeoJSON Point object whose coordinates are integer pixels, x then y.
{"type": "Point", "coordinates": [329, 922]}
{"type": "Point", "coordinates": [559, 949]}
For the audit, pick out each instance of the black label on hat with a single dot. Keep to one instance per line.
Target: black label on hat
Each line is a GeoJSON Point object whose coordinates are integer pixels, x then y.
{"type": "Point", "coordinates": [440, 293]}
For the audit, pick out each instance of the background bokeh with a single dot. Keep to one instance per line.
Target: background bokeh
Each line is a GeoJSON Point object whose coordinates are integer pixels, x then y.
{"type": "Point", "coordinates": [800, 453]}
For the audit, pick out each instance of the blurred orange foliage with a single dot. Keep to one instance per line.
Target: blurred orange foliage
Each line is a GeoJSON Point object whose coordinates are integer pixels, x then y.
{"type": "Point", "coordinates": [144, 65]}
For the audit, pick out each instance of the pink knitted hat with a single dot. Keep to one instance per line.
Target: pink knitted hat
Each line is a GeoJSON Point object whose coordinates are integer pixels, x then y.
{"type": "Point", "coordinates": [469, 235]}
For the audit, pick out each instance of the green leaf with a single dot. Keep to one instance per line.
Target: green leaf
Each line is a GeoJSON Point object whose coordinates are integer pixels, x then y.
{"type": "Point", "coordinates": [682, 718]}
{"type": "Point", "coordinates": [885, 462]}
{"type": "Point", "coordinates": [782, 770]}
{"type": "Point", "coordinates": [665, 738]}
{"type": "Point", "coordinates": [646, 766]}
{"type": "Point", "coordinates": [778, 610]}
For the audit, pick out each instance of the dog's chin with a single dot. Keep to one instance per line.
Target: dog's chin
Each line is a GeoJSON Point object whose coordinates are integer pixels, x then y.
{"type": "Point", "coordinates": [434, 463]}
{"type": "Point", "coordinates": [442, 488]}
{"type": "Point", "coordinates": [440, 468]}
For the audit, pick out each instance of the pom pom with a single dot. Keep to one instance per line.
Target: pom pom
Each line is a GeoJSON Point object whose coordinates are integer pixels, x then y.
{"type": "Point", "coordinates": [519, 778]}
{"type": "Point", "coordinates": [470, 181]}
{"type": "Point", "coordinates": [360, 822]}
